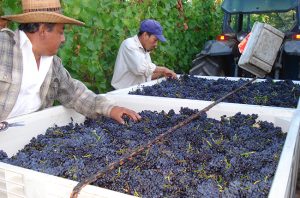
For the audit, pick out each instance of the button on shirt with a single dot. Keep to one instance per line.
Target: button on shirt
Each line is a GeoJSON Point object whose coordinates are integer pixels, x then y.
{"type": "Point", "coordinates": [32, 78]}
{"type": "Point", "coordinates": [133, 64]}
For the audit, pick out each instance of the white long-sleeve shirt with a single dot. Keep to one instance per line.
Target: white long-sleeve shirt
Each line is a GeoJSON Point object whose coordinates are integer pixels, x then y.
{"type": "Point", "coordinates": [29, 100]}
{"type": "Point", "coordinates": [133, 64]}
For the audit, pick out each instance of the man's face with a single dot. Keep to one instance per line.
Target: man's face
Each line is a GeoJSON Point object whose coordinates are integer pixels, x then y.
{"type": "Point", "coordinates": [149, 41]}
{"type": "Point", "coordinates": [3, 23]}
{"type": "Point", "coordinates": [52, 40]}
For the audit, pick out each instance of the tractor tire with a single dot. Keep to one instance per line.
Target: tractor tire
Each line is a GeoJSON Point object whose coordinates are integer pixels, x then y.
{"type": "Point", "coordinates": [204, 65]}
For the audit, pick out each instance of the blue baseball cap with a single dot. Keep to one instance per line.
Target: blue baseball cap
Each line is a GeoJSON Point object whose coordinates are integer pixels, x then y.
{"type": "Point", "coordinates": [153, 27]}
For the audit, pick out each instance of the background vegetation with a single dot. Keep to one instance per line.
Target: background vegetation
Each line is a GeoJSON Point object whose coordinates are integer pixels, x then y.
{"type": "Point", "coordinates": [90, 51]}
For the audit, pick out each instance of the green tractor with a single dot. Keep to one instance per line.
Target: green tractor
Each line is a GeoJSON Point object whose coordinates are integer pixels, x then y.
{"type": "Point", "coordinates": [220, 57]}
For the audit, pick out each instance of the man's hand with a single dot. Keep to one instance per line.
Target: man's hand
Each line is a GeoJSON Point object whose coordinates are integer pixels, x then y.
{"type": "Point", "coordinates": [163, 71]}
{"type": "Point", "coordinates": [169, 73]}
{"type": "Point", "coordinates": [117, 113]}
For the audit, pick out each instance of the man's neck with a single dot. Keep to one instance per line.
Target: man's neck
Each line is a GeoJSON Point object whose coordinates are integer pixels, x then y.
{"type": "Point", "coordinates": [38, 60]}
{"type": "Point", "coordinates": [34, 49]}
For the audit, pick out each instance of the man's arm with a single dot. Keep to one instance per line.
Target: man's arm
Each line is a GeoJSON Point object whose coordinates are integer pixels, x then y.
{"type": "Point", "coordinates": [74, 94]}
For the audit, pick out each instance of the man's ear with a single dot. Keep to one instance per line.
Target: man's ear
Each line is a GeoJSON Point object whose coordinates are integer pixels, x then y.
{"type": "Point", "coordinates": [144, 34]}
{"type": "Point", "coordinates": [3, 23]}
{"type": "Point", "coordinates": [42, 29]}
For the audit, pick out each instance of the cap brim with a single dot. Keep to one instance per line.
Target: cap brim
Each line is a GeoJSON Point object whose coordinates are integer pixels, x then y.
{"type": "Point", "coordinates": [42, 17]}
{"type": "Point", "coordinates": [161, 38]}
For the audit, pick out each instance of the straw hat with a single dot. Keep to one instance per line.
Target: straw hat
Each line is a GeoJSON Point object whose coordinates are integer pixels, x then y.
{"type": "Point", "coordinates": [42, 11]}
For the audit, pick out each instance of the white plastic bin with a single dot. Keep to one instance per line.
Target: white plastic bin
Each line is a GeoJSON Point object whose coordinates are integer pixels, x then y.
{"type": "Point", "coordinates": [126, 91]}
{"type": "Point", "coordinates": [20, 182]}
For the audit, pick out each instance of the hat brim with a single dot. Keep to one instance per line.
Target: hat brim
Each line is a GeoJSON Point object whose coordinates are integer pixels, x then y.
{"type": "Point", "coordinates": [42, 17]}
{"type": "Point", "coordinates": [161, 38]}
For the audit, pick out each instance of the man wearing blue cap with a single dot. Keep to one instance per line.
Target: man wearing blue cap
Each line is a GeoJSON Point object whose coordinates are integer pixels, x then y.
{"type": "Point", "coordinates": [133, 64]}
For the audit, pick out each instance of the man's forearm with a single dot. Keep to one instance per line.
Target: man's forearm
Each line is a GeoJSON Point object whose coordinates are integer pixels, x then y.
{"type": "Point", "coordinates": [158, 72]}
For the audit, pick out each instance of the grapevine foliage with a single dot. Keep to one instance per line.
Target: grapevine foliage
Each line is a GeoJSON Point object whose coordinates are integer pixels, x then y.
{"type": "Point", "coordinates": [89, 52]}
{"type": "Point", "coordinates": [269, 93]}
{"type": "Point", "coordinates": [234, 157]}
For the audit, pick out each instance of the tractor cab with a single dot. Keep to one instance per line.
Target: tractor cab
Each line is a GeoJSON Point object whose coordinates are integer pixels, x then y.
{"type": "Point", "coordinates": [241, 15]}
{"type": "Point", "coordinates": [219, 57]}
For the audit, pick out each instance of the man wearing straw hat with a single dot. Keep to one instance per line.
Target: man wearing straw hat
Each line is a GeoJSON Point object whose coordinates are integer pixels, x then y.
{"type": "Point", "coordinates": [32, 76]}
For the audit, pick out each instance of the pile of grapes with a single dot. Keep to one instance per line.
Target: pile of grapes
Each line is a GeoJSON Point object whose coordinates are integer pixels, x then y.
{"type": "Point", "coordinates": [234, 157]}
{"type": "Point", "coordinates": [269, 93]}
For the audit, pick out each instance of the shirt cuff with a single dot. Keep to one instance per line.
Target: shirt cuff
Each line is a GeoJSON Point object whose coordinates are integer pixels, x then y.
{"type": "Point", "coordinates": [104, 106]}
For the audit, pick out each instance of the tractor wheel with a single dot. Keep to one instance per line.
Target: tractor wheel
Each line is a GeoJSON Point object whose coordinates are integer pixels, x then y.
{"type": "Point", "coordinates": [204, 65]}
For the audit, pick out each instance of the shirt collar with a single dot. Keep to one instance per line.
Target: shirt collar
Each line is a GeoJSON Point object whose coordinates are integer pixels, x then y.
{"type": "Point", "coordinates": [137, 40]}
{"type": "Point", "coordinates": [24, 40]}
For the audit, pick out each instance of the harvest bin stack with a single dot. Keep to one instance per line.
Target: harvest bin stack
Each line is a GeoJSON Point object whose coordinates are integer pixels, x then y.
{"type": "Point", "coordinates": [17, 182]}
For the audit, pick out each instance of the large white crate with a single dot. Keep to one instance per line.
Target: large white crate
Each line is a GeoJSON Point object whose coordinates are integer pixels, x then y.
{"type": "Point", "coordinates": [17, 182]}
{"type": "Point", "coordinates": [126, 91]}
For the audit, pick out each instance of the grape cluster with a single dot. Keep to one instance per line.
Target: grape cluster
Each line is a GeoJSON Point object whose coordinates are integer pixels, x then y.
{"type": "Point", "coordinates": [3, 155]}
{"type": "Point", "coordinates": [269, 93]}
{"type": "Point", "coordinates": [234, 157]}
